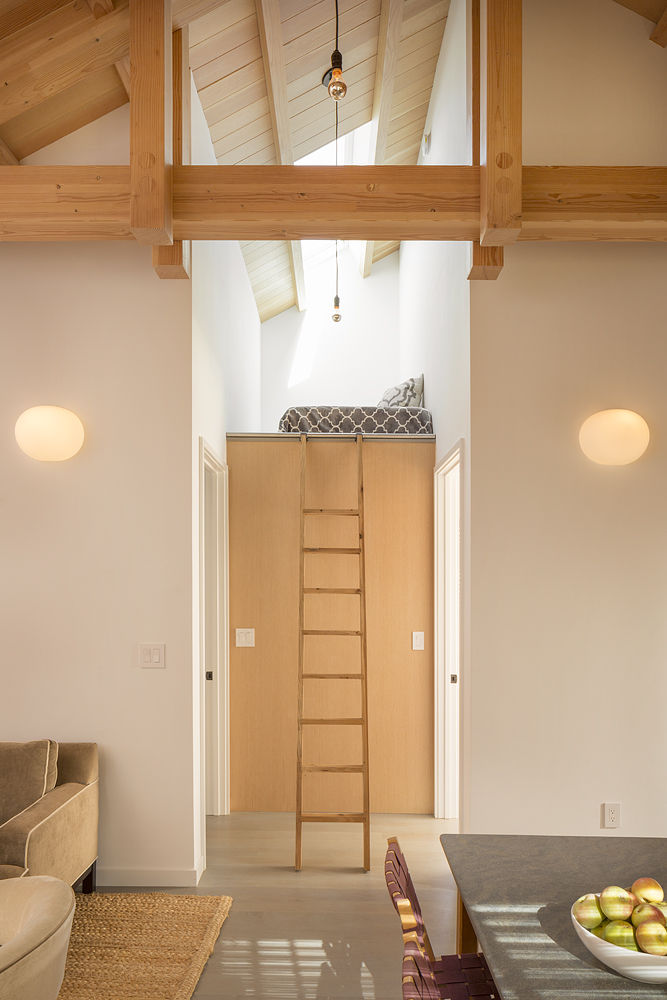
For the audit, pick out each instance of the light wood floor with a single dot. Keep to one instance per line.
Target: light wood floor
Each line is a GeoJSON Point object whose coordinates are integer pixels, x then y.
{"type": "Point", "coordinates": [328, 931]}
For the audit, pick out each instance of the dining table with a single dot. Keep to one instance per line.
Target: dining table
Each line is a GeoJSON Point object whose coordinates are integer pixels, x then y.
{"type": "Point", "coordinates": [515, 896]}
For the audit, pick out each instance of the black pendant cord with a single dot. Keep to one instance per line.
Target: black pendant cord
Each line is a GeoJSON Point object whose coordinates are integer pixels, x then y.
{"type": "Point", "coordinates": [336, 23]}
{"type": "Point", "coordinates": [336, 145]}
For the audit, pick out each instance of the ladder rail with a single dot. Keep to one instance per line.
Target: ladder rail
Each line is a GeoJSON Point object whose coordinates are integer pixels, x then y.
{"type": "Point", "coordinates": [361, 721]}
{"type": "Point", "coordinates": [299, 739]}
{"type": "Point", "coordinates": [364, 652]}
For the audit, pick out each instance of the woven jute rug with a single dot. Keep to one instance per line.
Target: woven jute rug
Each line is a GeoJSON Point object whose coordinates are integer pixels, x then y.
{"type": "Point", "coordinates": [140, 946]}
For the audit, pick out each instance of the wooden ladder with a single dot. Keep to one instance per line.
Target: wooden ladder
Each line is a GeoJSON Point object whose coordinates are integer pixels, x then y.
{"type": "Point", "coordinates": [361, 720]}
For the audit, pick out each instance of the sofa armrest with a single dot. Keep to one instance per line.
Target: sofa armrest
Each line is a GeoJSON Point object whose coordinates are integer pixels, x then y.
{"type": "Point", "coordinates": [77, 762]}
{"type": "Point", "coordinates": [57, 835]}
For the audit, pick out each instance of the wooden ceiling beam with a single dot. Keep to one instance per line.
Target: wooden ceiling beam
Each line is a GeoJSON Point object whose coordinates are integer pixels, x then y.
{"type": "Point", "coordinates": [98, 8]}
{"type": "Point", "coordinates": [7, 157]}
{"type": "Point", "coordinates": [271, 41]}
{"type": "Point", "coordinates": [56, 52]}
{"type": "Point", "coordinates": [389, 39]}
{"type": "Point", "coordinates": [151, 155]}
{"type": "Point", "coordinates": [16, 16]}
{"type": "Point", "coordinates": [500, 118]}
{"type": "Point", "coordinates": [327, 202]}
{"type": "Point", "coordinates": [47, 46]}
{"type": "Point", "coordinates": [276, 203]}
{"type": "Point", "coordinates": [659, 33]}
{"type": "Point", "coordinates": [175, 261]}
{"type": "Point", "coordinates": [486, 263]}
{"type": "Point", "coordinates": [123, 70]}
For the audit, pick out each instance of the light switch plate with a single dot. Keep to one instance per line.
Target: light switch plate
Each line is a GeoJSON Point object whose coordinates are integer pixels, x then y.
{"type": "Point", "coordinates": [417, 640]}
{"type": "Point", "coordinates": [152, 655]}
{"type": "Point", "coordinates": [245, 637]}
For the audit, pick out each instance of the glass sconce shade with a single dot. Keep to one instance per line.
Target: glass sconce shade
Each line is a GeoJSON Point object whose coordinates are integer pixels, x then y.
{"type": "Point", "coordinates": [49, 433]}
{"type": "Point", "coordinates": [614, 437]}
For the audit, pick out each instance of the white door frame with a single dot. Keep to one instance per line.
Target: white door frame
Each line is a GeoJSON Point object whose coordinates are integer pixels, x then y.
{"type": "Point", "coordinates": [448, 640]}
{"type": "Point", "coordinates": [216, 742]}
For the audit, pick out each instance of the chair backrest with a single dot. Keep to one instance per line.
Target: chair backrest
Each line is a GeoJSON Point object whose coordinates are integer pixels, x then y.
{"type": "Point", "coordinates": [418, 979]}
{"type": "Point", "coordinates": [403, 894]}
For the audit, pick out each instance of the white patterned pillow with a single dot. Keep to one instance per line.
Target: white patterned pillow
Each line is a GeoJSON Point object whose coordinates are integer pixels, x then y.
{"type": "Point", "coordinates": [409, 393]}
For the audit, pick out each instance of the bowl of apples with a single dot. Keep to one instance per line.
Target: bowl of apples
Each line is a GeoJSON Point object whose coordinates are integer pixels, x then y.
{"type": "Point", "coordinates": [626, 929]}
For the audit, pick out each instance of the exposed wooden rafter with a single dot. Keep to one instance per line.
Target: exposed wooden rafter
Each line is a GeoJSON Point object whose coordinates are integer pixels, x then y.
{"type": "Point", "coordinates": [123, 70]}
{"type": "Point", "coordinates": [49, 46]}
{"type": "Point", "coordinates": [150, 121]}
{"type": "Point", "coordinates": [7, 158]}
{"type": "Point", "coordinates": [487, 262]}
{"type": "Point", "coordinates": [271, 41]}
{"type": "Point", "coordinates": [175, 261]}
{"type": "Point", "coordinates": [560, 203]}
{"type": "Point", "coordinates": [391, 20]}
{"type": "Point", "coordinates": [500, 117]}
{"type": "Point", "coordinates": [659, 33]}
{"type": "Point", "coordinates": [98, 8]}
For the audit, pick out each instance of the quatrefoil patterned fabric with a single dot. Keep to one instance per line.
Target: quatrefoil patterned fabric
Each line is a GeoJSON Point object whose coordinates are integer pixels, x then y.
{"type": "Point", "coordinates": [356, 420]}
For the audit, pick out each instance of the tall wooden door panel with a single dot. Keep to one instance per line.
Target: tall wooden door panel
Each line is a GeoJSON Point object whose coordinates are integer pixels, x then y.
{"type": "Point", "coordinates": [264, 578]}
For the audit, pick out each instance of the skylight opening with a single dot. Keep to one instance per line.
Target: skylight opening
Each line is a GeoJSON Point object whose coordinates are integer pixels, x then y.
{"type": "Point", "coordinates": [353, 149]}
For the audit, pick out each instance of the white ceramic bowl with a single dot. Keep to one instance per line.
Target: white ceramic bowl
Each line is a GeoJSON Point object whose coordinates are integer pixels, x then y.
{"type": "Point", "coordinates": [631, 964]}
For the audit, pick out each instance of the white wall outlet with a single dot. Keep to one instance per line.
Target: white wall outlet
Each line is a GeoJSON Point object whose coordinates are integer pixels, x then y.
{"type": "Point", "coordinates": [152, 655]}
{"type": "Point", "coordinates": [611, 815]}
{"type": "Point", "coordinates": [245, 637]}
{"type": "Point", "coordinates": [417, 640]}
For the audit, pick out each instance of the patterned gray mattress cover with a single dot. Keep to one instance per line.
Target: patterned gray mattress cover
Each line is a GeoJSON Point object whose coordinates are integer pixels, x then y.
{"type": "Point", "coordinates": [356, 420]}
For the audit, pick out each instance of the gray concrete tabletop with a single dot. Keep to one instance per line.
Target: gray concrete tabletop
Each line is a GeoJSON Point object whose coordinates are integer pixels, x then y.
{"type": "Point", "coordinates": [518, 891]}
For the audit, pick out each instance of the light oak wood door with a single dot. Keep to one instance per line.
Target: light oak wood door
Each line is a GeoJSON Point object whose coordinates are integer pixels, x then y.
{"type": "Point", "coordinates": [264, 594]}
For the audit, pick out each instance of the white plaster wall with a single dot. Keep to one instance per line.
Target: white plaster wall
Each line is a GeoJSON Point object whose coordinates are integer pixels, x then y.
{"type": "Point", "coordinates": [307, 358]}
{"type": "Point", "coordinates": [225, 397]}
{"type": "Point", "coordinates": [569, 559]}
{"type": "Point", "coordinates": [97, 550]}
{"type": "Point", "coordinates": [435, 308]}
{"type": "Point", "coordinates": [434, 291]}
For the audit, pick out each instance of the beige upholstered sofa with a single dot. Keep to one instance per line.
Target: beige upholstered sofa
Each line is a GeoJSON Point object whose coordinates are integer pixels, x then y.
{"type": "Point", "coordinates": [49, 810]}
{"type": "Point", "coordinates": [35, 923]}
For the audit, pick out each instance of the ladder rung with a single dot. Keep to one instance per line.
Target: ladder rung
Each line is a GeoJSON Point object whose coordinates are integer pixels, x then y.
{"type": "Point", "coordinates": [333, 817]}
{"type": "Point", "coordinates": [332, 590]}
{"type": "Point", "coordinates": [337, 768]}
{"type": "Point", "coordinates": [337, 511]}
{"type": "Point", "coordinates": [332, 722]}
{"type": "Point", "coordinates": [336, 677]}
{"type": "Point", "coordinates": [329, 631]}
{"type": "Point", "coordinates": [342, 552]}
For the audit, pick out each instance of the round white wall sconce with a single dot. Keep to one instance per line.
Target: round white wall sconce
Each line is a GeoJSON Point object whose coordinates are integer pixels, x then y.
{"type": "Point", "coordinates": [614, 437]}
{"type": "Point", "coordinates": [49, 433]}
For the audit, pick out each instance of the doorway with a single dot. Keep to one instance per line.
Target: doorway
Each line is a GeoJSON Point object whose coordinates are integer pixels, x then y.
{"type": "Point", "coordinates": [214, 629]}
{"type": "Point", "coordinates": [448, 484]}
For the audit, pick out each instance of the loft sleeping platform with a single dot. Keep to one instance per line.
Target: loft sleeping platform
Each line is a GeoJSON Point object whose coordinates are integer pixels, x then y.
{"type": "Point", "coordinates": [399, 412]}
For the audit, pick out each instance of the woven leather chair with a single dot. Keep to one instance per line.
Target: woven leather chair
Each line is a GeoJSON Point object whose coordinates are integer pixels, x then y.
{"type": "Point", "coordinates": [454, 977]}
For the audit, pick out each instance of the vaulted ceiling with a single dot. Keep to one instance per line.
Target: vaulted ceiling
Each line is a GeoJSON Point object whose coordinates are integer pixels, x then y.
{"type": "Point", "coordinates": [257, 65]}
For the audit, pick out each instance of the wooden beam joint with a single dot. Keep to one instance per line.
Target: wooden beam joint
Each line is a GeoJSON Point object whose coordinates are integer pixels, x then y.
{"type": "Point", "coordinates": [151, 121]}
{"type": "Point", "coordinates": [501, 122]}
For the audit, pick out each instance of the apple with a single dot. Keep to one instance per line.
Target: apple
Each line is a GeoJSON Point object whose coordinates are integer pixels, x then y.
{"type": "Point", "coordinates": [647, 890]}
{"type": "Point", "coordinates": [587, 911]}
{"type": "Point", "coordinates": [652, 937]}
{"type": "Point", "coordinates": [646, 911]}
{"type": "Point", "coordinates": [622, 933]}
{"type": "Point", "coordinates": [662, 906]}
{"type": "Point", "coordinates": [616, 903]}
{"type": "Point", "coordinates": [600, 929]}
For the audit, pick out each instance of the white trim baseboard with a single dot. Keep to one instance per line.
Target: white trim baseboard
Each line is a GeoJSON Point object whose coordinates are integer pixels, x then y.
{"type": "Point", "coordinates": [161, 878]}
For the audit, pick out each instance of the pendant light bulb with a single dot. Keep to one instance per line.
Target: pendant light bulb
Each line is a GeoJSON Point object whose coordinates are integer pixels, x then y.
{"type": "Point", "coordinates": [336, 315]}
{"type": "Point", "coordinates": [333, 78]}
{"type": "Point", "coordinates": [337, 87]}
